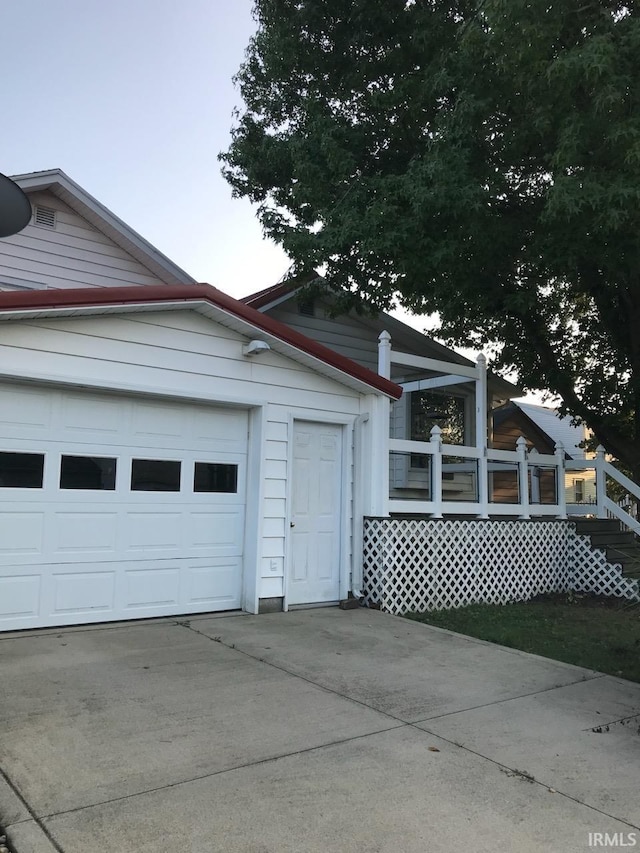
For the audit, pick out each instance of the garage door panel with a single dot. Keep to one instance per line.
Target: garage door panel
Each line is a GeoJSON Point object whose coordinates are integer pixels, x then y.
{"type": "Point", "coordinates": [27, 409]}
{"type": "Point", "coordinates": [153, 586]}
{"type": "Point", "coordinates": [87, 532]}
{"type": "Point", "coordinates": [153, 530]}
{"type": "Point", "coordinates": [19, 597]}
{"type": "Point", "coordinates": [21, 533]}
{"type": "Point", "coordinates": [218, 532]}
{"type": "Point", "coordinates": [104, 418]}
{"type": "Point", "coordinates": [77, 555]}
{"type": "Point", "coordinates": [82, 593]}
{"type": "Point", "coordinates": [224, 428]}
{"type": "Point", "coordinates": [213, 585]}
{"type": "Point", "coordinates": [152, 426]}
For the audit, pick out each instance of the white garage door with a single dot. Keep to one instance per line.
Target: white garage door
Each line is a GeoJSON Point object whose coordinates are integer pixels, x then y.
{"type": "Point", "coordinates": [115, 507]}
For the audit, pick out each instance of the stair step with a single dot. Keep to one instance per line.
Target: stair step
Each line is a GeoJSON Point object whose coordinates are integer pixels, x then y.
{"type": "Point", "coordinates": [603, 540]}
{"type": "Point", "coordinates": [623, 555]}
{"type": "Point", "coordinates": [596, 525]}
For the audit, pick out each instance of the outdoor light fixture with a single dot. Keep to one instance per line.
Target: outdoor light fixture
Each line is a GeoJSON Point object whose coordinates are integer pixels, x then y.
{"type": "Point", "coordinates": [15, 208]}
{"type": "Point", "coordinates": [255, 348]}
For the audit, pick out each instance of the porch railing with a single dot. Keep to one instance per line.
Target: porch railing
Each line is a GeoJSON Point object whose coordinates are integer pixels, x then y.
{"type": "Point", "coordinates": [477, 469]}
{"type": "Point", "coordinates": [537, 481]}
{"type": "Point", "coordinates": [480, 466]}
{"type": "Point", "coordinates": [609, 481]}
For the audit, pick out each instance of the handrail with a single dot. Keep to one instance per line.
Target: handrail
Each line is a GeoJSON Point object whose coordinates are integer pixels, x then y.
{"type": "Point", "coordinates": [613, 509]}
{"type": "Point", "coordinates": [622, 479]}
{"type": "Point", "coordinates": [404, 445]}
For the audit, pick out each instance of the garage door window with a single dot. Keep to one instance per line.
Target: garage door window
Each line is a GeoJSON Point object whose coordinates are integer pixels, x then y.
{"type": "Point", "coordinates": [155, 475]}
{"type": "Point", "coordinates": [21, 470]}
{"type": "Point", "coordinates": [215, 477]}
{"type": "Point", "coordinates": [88, 472]}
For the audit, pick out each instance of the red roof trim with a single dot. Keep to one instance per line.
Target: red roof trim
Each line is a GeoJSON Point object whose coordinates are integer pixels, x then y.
{"type": "Point", "coordinates": [34, 300]}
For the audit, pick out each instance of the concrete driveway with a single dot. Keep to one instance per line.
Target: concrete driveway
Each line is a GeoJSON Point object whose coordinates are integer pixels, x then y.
{"type": "Point", "coordinates": [318, 730]}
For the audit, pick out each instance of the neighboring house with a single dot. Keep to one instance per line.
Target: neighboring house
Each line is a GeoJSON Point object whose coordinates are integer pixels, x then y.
{"type": "Point", "coordinates": [440, 400]}
{"type": "Point", "coordinates": [543, 429]}
{"type": "Point", "coordinates": [75, 241]}
{"type": "Point", "coordinates": [169, 450]}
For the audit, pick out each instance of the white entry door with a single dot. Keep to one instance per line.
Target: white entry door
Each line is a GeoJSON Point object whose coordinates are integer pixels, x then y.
{"type": "Point", "coordinates": [316, 512]}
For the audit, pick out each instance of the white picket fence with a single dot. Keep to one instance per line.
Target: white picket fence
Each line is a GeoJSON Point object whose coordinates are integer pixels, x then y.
{"type": "Point", "coordinates": [423, 564]}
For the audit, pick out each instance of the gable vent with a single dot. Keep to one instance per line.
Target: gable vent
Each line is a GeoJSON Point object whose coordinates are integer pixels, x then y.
{"type": "Point", "coordinates": [45, 216]}
{"type": "Point", "coordinates": [307, 308]}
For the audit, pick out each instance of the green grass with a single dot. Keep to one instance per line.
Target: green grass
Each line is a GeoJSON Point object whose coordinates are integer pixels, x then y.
{"type": "Point", "coordinates": [591, 631]}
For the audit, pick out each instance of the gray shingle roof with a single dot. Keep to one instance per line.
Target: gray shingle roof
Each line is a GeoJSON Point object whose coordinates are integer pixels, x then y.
{"type": "Point", "coordinates": [557, 428]}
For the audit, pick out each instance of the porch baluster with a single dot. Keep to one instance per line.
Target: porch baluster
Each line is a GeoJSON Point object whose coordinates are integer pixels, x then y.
{"type": "Point", "coordinates": [523, 477]}
{"type": "Point", "coordinates": [560, 481]}
{"type": "Point", "coordinates": [481, 436]}
{"type": "Point", "coordinates": [601, 481]}
{"type": "Point", "coordinates": [436, 471]}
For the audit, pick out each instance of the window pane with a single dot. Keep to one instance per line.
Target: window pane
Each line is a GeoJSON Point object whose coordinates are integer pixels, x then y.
{"type": "Point", "coordinates": [88, 472]}
{"type": "Point", "coordinates": [429, 409]}
{"type": "Point", "coordinates": [459, 479]}
{"type": "Point", "coordinates": [504, 483]}
{"type": "Point", "coordinates": [215, 477]}
{"type": "Point", "coordinates": [21, 470]}
{"type": "Point", "coordinates": [155, 475]}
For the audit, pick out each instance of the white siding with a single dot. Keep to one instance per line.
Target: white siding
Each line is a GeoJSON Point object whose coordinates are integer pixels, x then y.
{"type": "Point", "coordinates": [184, 354]}
{"type": "Point", "coordinates": [73, 254]}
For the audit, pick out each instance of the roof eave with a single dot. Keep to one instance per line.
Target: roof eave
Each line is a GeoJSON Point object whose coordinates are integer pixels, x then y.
{"type": "Point", "coordinates": [72, 194]}
{"type": "Point", "coordinates": [206, 300]}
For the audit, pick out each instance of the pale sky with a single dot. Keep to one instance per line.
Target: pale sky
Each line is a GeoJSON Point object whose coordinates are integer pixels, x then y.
{"type": "Point", "coordinates": [133, 99]}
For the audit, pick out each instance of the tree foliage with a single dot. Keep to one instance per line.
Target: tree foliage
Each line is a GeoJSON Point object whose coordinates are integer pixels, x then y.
{"type": "Point", "coordinates": [478, 158]}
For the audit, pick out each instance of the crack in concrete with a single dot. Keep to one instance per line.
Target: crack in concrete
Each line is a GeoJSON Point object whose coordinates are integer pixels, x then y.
{"type": "Point", "coordinates": [180, 782]}
{"type": "Point", "coordinates": [632, 718]}
{"type": "Point", "coordinates": [39, 820]}
{"type": "Point", "coordinates": [414, 725]}
{"type": "Point", "coordinates": [512, 699]}
{"type": "Point", "coordinates": [34, 816]}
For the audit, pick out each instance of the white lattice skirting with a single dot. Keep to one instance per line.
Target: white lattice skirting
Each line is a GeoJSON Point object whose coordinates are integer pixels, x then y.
{"type": "Point", "coordinates": [432, 564]}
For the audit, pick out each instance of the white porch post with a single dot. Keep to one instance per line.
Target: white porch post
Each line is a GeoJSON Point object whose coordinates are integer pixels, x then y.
{"type": "Point", "coordinates": [481, 436]}
{"type": "Point", "coordinates": [381, 456]}
{"type": "Point", "coordinates": [601, 481]}
{"type": "Point", "coordinates": [523, 477]}
{"type": "Point", "coordinates": [436, 472]}
{"type": "Point", "coordinates": [535, 477]}
{"type": "Point", "coordinates": [384, 354]}
{"type": "Point", "coordinates": [562, 493]}
{"type": "Point", "coordinates": [481, 402]}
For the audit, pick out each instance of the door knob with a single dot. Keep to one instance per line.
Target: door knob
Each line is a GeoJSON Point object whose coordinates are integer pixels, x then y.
{"type": "Point", "coordinates": [292, 524]}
